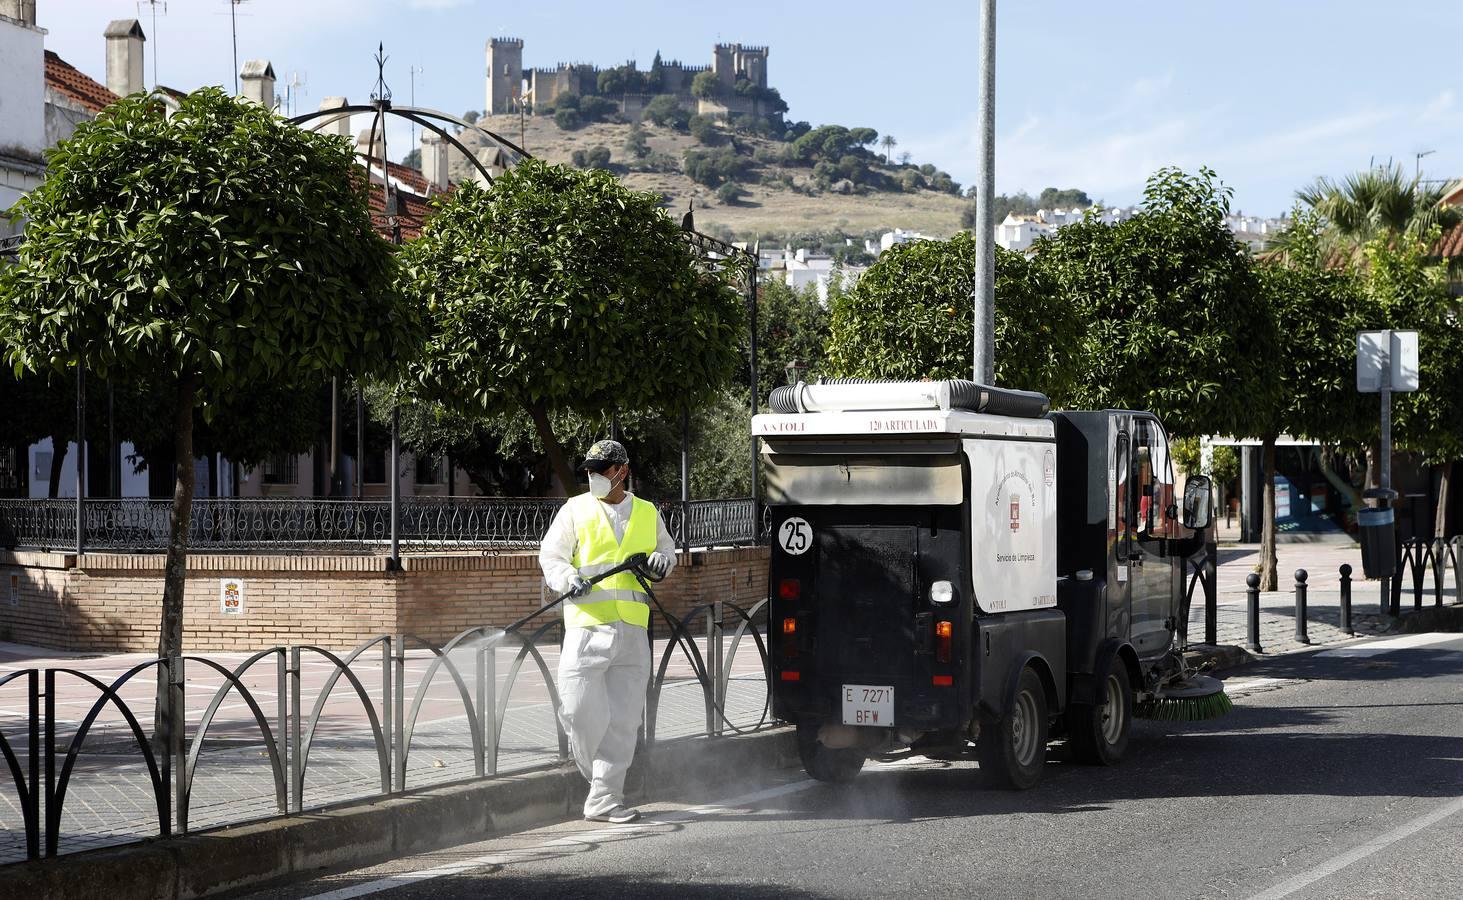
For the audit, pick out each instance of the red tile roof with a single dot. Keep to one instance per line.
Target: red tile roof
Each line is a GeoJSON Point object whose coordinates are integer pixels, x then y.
{"type": "Point", "coordinates": [65, 79]}
{"type": "Point", "coordinates": [1451, 243]}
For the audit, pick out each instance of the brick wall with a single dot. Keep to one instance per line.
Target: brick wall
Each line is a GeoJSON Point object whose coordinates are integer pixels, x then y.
{"type": "Point", "coordinates": [112, 602]}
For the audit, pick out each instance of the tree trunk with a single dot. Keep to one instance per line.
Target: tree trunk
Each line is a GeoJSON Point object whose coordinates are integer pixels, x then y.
{"type": "Point", "coordinates": [557, 460]}
{"type": "Point", "coordinates": [1440, 525]}
{"type": "Point", "coordinates": [58, 460]}
{"type": "Point", "coordinates": [1269, 579]}
{"type": "Point", "coordinates": [170, 637]}
{"type": "Point", "coordinates": [1373, 469]}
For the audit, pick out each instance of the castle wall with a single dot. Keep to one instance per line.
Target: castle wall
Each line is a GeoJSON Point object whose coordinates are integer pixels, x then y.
{"type": "Point", "coordinates": [505, 74]}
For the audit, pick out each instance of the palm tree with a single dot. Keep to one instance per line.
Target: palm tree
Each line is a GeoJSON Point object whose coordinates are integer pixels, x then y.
{"type": "Point", "coordinates": [888, 143]}
{"type": "Point", "coordinates": [1376, 203]}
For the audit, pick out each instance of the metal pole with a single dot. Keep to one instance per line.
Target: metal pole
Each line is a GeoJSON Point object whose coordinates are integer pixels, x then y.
{"type": "Point", "coordinates": [1346, 599]}
{"type": "Point", "coordinates": [114, 453]}
{"type": "Point", "coordinates": [752, 302]}
{"type": "Point", "coordinates": [1301, 635]}
{"type": "Point", "coordinates": [686, 483]}
{"type": "Point", "coordinates": [1252, 619]}
{"type": "Point", "coordinates": [983, 292]}
{"type": "Point", "coordinates": [80, 458]}
{"type": "Point", "coordinates": [234, 28]}
{"type": "Point", "coordinates": [1211, 593]}
{"type": "Point", "coordinates": [394, 476]}
{"type": "Point", "coordinates": [360, 444]}
{"type": "Point", "coordinates": [1384, 464]}
{"type": "Point", "coordinates": [336, 488]}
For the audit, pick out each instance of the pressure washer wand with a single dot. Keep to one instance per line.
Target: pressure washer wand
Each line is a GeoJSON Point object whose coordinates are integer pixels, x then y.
{"type": "Point", "coordinates": [634, 562]}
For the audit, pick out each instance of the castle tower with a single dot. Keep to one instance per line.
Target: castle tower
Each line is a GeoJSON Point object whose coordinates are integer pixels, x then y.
{"type": "Point", "coordinates": [724, 64]}
{"type": "Point", "coordinates": [752, 64]}
{"type": "Point", "coordinates": [505, 74]}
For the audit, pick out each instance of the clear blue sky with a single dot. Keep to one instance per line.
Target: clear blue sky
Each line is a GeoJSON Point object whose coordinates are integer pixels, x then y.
{"type": "Point", "coordinates": [1090, 94]}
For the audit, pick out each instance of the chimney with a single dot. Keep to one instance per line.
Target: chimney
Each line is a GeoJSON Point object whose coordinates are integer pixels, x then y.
{"type": "Point", "coordinates": [22, 10]}
{"type": "Point", "coordinates": [125, 42]}
{"type": "Point", "coordinates": [22, 91]}
{"type": "Point", "coordinates": [434, 160]}
{"type": "Point", "coordinates": [340, 126]}
{"type": "Point", "coordinates": [257, 76]}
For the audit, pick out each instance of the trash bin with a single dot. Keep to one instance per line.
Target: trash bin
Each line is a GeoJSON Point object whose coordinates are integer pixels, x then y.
{"type": "Point", "coordinates": [1377, 531]}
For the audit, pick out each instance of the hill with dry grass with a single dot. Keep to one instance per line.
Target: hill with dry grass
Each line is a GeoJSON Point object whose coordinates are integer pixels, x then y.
{"type": "Point", "coordinates": [781, 198]}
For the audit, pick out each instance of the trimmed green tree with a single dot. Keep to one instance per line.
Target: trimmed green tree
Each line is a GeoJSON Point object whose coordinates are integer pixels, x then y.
{"type": "Point", "coordinates": [217, 247]}
{"type": "Point", "coordinates": [1172, 308]}
{"type": "Point", "coordinates": [1176, 321]}
{"type": "Point", "coordinates": [1315, 311]}
{"type": "Point", "coordinates": [562, 290]}
{"type": "Point", "coordinates": [911, 316]}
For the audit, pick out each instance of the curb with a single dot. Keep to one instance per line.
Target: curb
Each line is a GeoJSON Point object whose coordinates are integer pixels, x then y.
{"type": "Point", "coordinates": [253, 855]}
{"type": "Point", "coordinates": [1216, 658]}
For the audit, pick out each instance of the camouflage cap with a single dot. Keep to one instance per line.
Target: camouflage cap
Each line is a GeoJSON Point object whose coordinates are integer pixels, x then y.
{"type": "Point", "coordinates": [603, 454]}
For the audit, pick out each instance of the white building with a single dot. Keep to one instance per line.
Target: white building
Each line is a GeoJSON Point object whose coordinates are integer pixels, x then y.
{"type": "Point", "coordinates": [1021, 232]}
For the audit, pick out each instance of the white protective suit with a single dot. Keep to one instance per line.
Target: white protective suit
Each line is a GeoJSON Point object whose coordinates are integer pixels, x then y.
{"type": "Point", "coordinates": [604, 670]}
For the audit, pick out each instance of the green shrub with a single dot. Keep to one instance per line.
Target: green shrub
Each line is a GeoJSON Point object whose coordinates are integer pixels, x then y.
{"type": "Point", "coordinates": [567, 119]}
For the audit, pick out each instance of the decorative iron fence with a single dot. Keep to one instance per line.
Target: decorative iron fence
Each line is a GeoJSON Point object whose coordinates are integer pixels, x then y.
{"type": "Point", "coordinates": [342, 526]}
{"type": "Point", "coordinates": [261, 711]}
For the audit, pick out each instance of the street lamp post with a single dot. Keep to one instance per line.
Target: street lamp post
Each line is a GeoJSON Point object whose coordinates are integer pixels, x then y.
{"type": "Point", "coordinates": [983, 293]}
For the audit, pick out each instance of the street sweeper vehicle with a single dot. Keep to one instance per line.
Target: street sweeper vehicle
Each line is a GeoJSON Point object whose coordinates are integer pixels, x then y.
{"type": "Point", "coordinates": [953, 565]}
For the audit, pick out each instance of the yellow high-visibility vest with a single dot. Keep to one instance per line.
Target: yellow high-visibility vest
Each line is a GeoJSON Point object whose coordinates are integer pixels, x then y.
{"type": "Point", "coordinates": [618, 598]}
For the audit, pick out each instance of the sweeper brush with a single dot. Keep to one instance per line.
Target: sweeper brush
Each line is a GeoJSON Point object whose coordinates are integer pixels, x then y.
{"type": "Point", "coordinates": [1193, 699]}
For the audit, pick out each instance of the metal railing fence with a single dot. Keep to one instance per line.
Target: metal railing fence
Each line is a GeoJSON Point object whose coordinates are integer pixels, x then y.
{"type": "Point", "coordinates": [282, 725]}
{"type": "Point", "coordinates": [484, 524]}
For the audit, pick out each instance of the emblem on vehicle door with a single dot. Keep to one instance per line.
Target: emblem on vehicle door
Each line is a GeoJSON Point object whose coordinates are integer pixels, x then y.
{"type": "Point", "coordinates": [1015, 512]}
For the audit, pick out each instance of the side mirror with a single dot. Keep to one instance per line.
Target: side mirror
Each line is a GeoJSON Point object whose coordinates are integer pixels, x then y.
{"type": "Point", "coordinates": [1197, 494]}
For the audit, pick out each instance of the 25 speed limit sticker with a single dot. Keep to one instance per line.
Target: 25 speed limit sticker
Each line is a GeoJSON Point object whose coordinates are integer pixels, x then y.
{"type": "Point", "coordinates": [795, 536]}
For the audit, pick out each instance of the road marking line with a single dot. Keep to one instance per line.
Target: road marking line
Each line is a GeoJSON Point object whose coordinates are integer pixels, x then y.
{"type": "Point", "coordinates": [1249, 685]}
{"type": "Point", "coordinates": [1337, 863]}
{"type": "Point", "coordinates": [1389, 645]}
{"type": "Point", "coordinates": [524, 854]}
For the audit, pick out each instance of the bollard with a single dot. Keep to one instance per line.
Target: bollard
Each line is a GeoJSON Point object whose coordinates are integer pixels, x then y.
{"type": "Point", "coordinates": [1346, 599]}
{"type": "Point", "coordinates": [1300, 607]}
{"type": "Point", "coordinates": [1439, 566]}
{"type": "Point", "coordinates": [1252, 598]}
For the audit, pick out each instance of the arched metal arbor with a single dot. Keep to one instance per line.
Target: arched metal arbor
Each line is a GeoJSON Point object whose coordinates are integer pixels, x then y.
{"type": "Point", "coordinates": [436, 122]}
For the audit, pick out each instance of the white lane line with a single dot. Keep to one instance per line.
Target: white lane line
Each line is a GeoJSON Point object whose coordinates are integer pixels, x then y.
{"type": "Point", "coordinates": [578, 838]}
{"type": "Point", "coordinates": [1390, 645]}
{"type": "Point", "coordinates": [1337, 863]}
{"type": "Point", "coordinates": [1250, 685]}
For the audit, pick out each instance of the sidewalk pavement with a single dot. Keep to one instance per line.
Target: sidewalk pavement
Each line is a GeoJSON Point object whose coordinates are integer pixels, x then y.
{"type": "Point", "coordinates": [110, 798]}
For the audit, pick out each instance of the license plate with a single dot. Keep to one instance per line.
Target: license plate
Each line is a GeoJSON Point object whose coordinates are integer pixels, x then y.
{"type": "Point", "coordinates": [868, 704]}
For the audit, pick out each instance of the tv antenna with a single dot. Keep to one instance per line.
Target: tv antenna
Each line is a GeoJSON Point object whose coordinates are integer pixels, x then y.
{"type": "Point", "coordinates": [294, 88]}
{"type": "Point", "coordinates": [415, 71]}
{"type": "Point", "coordinates": [234, 27]}
{"type": "Point", "coordinates": [153, 34]}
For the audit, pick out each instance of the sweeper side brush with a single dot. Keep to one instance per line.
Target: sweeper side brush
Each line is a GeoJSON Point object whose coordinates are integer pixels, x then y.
{"type": "Point", "coordinates": [1193, 699]}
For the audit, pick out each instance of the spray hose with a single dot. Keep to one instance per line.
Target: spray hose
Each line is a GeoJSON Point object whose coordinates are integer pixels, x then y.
{"type": "Point", "coordinates": [634, 562]}
{"type": "Point", "coordinates": [698, 665]}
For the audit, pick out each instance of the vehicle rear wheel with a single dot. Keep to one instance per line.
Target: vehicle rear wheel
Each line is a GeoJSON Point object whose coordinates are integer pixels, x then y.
{"type": "Point", "coordinates": [824, 763]}
{"type": "Point", "coordinates": [1098, 733]}
{"type": "Point", "coordinates": [1012, 752]}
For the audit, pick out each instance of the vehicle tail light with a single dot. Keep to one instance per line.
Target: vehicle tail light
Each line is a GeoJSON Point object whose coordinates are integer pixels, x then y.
{"type": "Point", "coordinates": [791, 676]}
{"type": "Point", "coordinates": [944, 641]}
{"type": "Point", "coordinates": [944, 680]}
{"type": "Point", "coordinates": [789, 638]}
{"type": "Point", "coordinates": [790, 589]}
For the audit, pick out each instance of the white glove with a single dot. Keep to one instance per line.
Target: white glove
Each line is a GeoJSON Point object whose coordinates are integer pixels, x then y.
{"type": "Point", "coordinates": [658, 565]}
{"type": "Point", "coordinates": [579, 587]}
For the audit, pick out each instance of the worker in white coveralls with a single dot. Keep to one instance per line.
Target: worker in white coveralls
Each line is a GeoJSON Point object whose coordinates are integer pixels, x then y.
{"type": "Point", "coordinates": [605, 666]}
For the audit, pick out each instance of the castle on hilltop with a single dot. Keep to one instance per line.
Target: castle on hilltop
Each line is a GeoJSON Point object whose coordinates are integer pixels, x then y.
{"type": "Point", "coordinates": [741, 78]}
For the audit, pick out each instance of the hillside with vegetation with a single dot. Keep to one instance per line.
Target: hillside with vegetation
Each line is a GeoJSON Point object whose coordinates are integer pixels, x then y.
{"type": "Point", "coordinates": [749, 177]}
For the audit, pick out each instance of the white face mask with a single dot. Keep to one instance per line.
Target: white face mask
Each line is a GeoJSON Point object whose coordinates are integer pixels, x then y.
{"type": "Point", "coordinates": [600, 486]}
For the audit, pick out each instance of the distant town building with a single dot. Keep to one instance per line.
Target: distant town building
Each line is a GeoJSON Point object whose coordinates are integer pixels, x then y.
{"type": "Point", "coordinates": [1021, 232]}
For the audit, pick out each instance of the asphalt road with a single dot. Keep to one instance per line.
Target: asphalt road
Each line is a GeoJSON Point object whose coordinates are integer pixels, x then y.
{"type": "Point", "coordinates": [1339, 774]}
